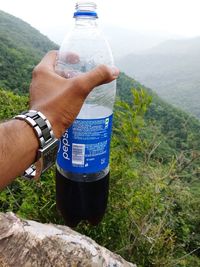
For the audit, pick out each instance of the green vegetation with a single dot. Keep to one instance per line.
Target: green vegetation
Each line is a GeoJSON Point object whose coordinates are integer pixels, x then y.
{"type": "Point", "coordinates": [21, 48]}
{"type": "Point", "coordinates": [153, 215]}
{"type": "Point", "coordinates": [153, 212]}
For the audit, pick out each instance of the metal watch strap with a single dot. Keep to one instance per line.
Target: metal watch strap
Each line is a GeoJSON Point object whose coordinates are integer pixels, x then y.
{"type": "Point", "coordinates": [48, 143]}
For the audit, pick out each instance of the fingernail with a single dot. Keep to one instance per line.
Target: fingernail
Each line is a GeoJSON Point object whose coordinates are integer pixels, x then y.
{"type": "Point", "coordinates": [115, 72]}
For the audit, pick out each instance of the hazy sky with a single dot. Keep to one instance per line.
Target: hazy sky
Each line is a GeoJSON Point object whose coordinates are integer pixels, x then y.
{"type": "Point", "coordinates": [179, 17]}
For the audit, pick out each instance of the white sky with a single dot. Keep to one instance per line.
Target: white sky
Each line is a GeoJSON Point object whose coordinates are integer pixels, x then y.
{"type": "Point", "coordinates": [179, 17]}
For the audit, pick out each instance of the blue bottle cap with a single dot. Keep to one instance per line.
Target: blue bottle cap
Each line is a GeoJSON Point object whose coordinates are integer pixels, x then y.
{"type": "Point", "coordinates": [85, 13]}
{"type": "Point", "coordinates": [86, 8]}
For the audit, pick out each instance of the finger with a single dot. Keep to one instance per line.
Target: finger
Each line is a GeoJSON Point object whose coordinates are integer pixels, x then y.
{"type": "Point", "coordinates": [71, 58]}
{"type": "Point", "coordinates": [49, 60]}
{"type": "Point", "coordinates": [66, 59]}
{"type": "Point", "coordinates": [100, 75]}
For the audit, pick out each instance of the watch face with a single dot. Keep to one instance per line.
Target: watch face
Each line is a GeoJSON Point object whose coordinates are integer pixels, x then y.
{"type": "Point", "coordinates": [48, 155]}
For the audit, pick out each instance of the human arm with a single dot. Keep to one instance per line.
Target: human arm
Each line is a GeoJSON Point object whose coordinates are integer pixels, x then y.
{"type": "Point", "coordinates": [59, 99]}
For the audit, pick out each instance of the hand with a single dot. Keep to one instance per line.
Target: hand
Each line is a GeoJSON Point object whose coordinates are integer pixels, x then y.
{"type": "Point", "coordinates": [60, 99]}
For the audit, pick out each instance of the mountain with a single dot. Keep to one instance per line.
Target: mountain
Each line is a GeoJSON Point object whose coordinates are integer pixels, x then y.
{"type": "Point", "coordinates": [175, 126]}
{"type": "Point", "coordinates": [21, 48]}
{"type": "Point", "coordinates": [123, 41]}
{"type": "Point", "coordinates": [172, 70]}
{"type": "Point", "coordinates": [153, 215]}
{"type": "Point", "coordinates": [181, 47]}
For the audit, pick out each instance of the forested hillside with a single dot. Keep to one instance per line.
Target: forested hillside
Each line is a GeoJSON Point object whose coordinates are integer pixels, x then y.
{"type": "Point", "coordinates": [172, 70]}
{"type": "Point", "coordinates": [21, 48]}
{"type": "Point", "coordinates": [153, 215]}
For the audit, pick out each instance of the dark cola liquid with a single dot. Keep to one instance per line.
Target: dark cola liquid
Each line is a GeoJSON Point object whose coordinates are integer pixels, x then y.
{"type": "Point", "coordinates": [79, 201]}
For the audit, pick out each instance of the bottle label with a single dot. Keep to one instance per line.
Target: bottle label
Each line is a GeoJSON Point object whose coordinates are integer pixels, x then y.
{"type": "Point", "coordinates": [85, 146]}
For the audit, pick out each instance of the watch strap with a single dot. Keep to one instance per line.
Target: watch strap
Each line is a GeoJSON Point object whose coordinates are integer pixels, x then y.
{"type": "Point", "coordinates": [48, 144]}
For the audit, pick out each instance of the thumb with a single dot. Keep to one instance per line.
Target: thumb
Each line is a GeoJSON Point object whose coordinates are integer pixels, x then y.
{"type": "Point", "coordinates": [100, 75]}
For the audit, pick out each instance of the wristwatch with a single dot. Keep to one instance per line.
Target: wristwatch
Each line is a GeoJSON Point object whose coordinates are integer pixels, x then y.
{"type": "Point", "coordinates": [47, 151]}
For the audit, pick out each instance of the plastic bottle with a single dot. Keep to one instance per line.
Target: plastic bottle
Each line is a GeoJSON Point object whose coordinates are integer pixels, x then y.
{"type": "Point", "coordinates": [82, 176]}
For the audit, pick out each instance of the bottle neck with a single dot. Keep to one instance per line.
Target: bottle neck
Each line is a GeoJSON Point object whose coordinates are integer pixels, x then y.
{"type": "Point", "coordinates": [86, 21]}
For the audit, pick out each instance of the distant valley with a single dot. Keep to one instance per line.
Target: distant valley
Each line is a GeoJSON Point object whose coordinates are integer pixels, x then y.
{"type": "Point", "coordinates": [172, 69]}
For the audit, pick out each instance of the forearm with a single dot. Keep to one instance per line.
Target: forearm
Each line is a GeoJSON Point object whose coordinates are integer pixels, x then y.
{"type": "Point", "coordinates": [18, 148]}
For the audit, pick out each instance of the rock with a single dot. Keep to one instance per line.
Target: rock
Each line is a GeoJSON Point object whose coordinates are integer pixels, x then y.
{"type": "Point", "coordinates": [32, 244]}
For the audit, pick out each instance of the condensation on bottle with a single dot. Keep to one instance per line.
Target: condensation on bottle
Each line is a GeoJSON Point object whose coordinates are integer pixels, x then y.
{"type": "Point", "coordinates": [82, 175]}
